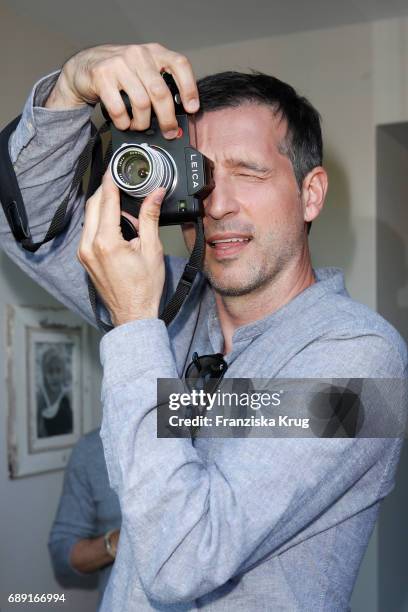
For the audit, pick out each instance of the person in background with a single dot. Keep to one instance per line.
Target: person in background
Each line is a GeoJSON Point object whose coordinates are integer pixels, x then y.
{"type": "Point", "coordinates": [85, 533]}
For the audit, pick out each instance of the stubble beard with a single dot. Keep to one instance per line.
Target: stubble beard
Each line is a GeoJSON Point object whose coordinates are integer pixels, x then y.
{"type": "Point", "coordinates": [253, 276]}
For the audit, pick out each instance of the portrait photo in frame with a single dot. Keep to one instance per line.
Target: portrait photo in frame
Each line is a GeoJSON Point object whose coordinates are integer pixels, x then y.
{"type": "Point", "coordinates": [48, 387]}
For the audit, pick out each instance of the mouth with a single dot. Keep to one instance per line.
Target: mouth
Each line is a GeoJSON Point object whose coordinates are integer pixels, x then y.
{"type": "Point", "coordinates": [228, 244]}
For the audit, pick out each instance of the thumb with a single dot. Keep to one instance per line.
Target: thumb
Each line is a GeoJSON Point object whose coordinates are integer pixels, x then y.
{"type": "Point", "coordinates": [149, 217]}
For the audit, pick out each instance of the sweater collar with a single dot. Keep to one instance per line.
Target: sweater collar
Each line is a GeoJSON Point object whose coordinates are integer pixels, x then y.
{"type": "Point", "coordinates": [328, 281]}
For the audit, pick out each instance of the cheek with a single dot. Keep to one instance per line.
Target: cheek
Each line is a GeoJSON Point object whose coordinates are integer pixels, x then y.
{"type": "Point", "coordinates": [279, 226]}
{"type": "Point", "coordinates": [272, 206]}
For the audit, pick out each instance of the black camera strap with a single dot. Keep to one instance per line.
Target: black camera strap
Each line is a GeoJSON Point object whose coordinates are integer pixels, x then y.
{"type": "Point", "coordinates": [12, 199]}
{"type": "Point", "coordinates": [194, 265]}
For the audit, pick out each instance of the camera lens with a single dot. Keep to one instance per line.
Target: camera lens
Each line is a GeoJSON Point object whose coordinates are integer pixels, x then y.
{"type": "Point", "coordinates": [135, 168]}
{"type": "Point", "coordinates": [140, 169]}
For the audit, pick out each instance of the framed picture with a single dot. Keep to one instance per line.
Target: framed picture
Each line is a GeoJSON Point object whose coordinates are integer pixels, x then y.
{"type": "Point", "coordinates": [48, 387]}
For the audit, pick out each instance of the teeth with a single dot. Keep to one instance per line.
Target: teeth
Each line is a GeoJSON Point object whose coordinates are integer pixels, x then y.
{"type": "Point", "coordinates": [230, 240]}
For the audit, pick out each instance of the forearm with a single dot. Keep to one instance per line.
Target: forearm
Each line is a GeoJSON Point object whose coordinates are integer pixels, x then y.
{"type": "Point", "coordinates": [89, 555]}
{"type": "Point", "coordinates": [61, 96]}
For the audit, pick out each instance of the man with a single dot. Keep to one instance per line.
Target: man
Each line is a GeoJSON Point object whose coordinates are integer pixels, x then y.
{"type": "Point", "coordinates": [85, 532]}
{"type": "Point", "coordinates": [231, 524]}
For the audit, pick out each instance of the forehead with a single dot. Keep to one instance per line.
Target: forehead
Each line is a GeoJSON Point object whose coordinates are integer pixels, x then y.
{"type": "Point", "coordinates": [250, 129]}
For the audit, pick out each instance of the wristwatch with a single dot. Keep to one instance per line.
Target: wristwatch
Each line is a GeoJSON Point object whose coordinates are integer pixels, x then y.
{"type": "Point", "coordinates": [109, 547]}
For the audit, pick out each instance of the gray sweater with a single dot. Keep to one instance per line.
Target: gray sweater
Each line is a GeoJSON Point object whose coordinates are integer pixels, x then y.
{"type": "Point", "coordinates": [219, 524]}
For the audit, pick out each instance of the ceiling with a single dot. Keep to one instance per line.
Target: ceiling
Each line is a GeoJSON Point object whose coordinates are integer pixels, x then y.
{"type": "Point", "coordinates": [188, 24]}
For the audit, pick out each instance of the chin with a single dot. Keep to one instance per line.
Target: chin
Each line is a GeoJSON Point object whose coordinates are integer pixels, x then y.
{"type": "Point", "coordinates": [242, 280]}
{"type": "Point", "coordinates": [228, 287]}
{"type": "Point", "coordinates": [231, 291]}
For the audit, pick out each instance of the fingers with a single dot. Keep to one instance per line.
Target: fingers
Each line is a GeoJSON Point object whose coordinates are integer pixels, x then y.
{"type": "Point", "coordinates": [139, 100]}
{"type": "Point", "coordinates": [149, 220]}
{"type": "Point", "coordinates": [90, 227]}
{"type": "Point", "coordinates": [136, 70]}
{"type": "Point", "coordinates": [152, 91]}
{"type": "Point", "coordinates": [180, 67]}
{"type": "Point", "coordinates": [108, 258]}
{"type": "Point", "coordinates": [162, 102]}
{"type": "Point", "coordinates": [112, 100]}
{"type": "Point", "coordinates": [102, 220]}
{"type": "Point", "coordinates": [109, 216]}
{"type": "Point", "coordinates": [101, 229]}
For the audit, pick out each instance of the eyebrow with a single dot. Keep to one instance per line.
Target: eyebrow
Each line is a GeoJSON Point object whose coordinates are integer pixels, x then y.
{"type": "Point", "coordinates": [237, 162]}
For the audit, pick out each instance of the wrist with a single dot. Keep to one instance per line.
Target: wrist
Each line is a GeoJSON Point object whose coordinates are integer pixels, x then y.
{"type": "Point", "coordinates": [62, 97]}
{"type": "Point", "coordinates": [110, 543]}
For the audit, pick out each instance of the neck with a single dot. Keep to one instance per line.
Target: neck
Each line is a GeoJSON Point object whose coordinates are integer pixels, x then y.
{"type": "Point", "coordinates": [234, 312]}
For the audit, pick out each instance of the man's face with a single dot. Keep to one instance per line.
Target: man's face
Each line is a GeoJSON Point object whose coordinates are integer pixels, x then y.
{"type": "Point", "coordinates": [253, 222]}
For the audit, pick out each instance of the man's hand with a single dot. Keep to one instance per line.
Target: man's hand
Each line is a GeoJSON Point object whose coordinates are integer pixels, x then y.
{"type": "Point", "coordinates": [102, 72]}
{"type": "Point", "coordinates": [129, 276]}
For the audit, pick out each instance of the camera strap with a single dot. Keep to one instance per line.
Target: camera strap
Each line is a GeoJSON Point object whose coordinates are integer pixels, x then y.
{"type": "Point", "coordinates": [12, 199]}
{"type": "Point", "coordinates": [184, 285]}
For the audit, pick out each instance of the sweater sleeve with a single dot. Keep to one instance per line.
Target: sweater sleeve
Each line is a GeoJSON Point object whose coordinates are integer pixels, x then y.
{"type": "Point", "coordinates": [45, 148]}
{"type": "Point", "coordinates": [76, 514]}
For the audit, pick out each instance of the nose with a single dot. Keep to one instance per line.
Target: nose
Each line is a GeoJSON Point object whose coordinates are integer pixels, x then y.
{"type": "Point", "coordinates": [222, 200]}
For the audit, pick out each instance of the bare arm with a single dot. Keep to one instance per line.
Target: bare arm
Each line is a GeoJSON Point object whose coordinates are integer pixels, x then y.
{"type": "Point", "coordinates": [90, 554]}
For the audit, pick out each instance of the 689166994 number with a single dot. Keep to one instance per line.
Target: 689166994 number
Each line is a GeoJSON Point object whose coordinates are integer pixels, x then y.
{"type": "Point", "coordinates": [36, 598]}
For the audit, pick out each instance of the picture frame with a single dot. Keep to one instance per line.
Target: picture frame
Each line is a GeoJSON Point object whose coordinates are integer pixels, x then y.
{"type": "Point", "coordinates": [48, 387]}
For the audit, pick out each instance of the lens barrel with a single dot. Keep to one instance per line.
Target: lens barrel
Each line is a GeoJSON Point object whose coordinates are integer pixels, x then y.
{"type": "Point", "coordinates": [139, 169]}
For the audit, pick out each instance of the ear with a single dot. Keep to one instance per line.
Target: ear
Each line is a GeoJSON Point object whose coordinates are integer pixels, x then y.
{"type": "Point", "coordinates": [314, 191]}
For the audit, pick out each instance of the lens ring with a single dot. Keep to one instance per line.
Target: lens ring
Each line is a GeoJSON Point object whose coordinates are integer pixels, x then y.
{"type": "Point", "coordinates": [171, 167]}
{"type": "Point", "coordinates": [124, 156]}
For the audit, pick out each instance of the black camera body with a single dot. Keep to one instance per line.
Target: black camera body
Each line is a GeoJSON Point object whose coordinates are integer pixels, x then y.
{"type": "Point", "coordinates": [143, 161]}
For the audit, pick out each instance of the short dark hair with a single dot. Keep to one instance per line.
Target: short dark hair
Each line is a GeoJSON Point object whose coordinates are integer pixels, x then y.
{"type": "Point", "coordinates": [303, 142]}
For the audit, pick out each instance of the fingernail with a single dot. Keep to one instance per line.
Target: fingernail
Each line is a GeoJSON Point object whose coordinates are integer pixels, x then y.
{"type": "Point", "coordinates": [193, 105]}
{"type": "Point", "coordinates": [171, 134]}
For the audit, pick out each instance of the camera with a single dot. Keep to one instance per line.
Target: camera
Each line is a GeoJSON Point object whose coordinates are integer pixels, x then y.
{"type": "Point", "coordinates": [143, 161]}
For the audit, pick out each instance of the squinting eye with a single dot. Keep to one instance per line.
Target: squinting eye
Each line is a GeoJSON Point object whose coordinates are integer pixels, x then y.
{"type": "Point", "coordinates": [250, 176]}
